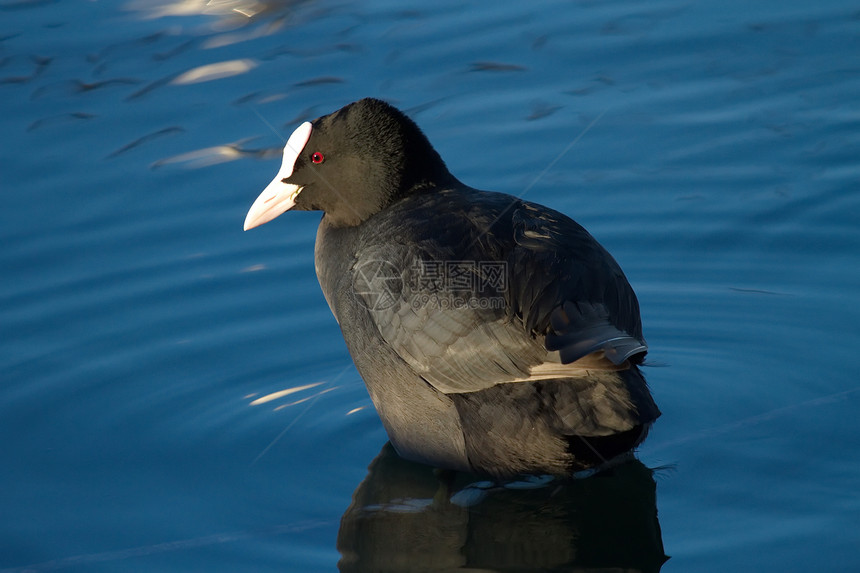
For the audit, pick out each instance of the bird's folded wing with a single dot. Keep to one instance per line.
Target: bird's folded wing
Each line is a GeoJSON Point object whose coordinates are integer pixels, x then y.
{"type": "Point", "coordinates": [565, 308]}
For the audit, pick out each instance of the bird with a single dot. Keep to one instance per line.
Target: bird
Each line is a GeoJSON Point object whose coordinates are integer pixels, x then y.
{"type": "Point", "coordinates": [495, 335]}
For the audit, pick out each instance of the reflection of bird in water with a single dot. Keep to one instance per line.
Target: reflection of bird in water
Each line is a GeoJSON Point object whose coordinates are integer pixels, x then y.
{"type": "Point", "coordinates": [405, 516]}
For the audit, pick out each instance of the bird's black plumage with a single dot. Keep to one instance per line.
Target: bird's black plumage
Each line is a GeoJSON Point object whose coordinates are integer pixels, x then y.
{"type": "Point", "coordinates": [495, 335]}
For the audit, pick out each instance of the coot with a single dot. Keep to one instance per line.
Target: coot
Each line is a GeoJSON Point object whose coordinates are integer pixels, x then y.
{"type": "Point", "coordinates": [495, 335]}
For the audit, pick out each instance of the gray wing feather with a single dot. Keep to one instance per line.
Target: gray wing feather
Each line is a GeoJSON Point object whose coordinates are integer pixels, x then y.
{"type": "Point", "coordinates": [565, 293]}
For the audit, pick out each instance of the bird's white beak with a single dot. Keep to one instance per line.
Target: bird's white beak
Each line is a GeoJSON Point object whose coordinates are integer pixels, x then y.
{"type": "Point", "coordinates": [278, 196]}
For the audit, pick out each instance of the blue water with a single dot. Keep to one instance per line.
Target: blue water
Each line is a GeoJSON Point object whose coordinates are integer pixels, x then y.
{"type": "Point", "coordinates": [712, 147]}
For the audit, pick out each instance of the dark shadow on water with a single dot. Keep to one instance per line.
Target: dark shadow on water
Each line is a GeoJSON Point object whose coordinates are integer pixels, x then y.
{"type": "Point", "coordinates": [406, 516]}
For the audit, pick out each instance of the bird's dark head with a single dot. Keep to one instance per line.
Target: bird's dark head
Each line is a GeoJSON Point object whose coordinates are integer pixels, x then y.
{"type": "Point", "coordinates": [351, 164]}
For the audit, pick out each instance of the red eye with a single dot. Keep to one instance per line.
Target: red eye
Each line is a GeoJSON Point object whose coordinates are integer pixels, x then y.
{"type": "Point", "coordinates": [317, 157]}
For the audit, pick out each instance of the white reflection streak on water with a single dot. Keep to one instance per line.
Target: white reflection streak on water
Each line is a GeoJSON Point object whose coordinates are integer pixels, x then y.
{"type": "Point", "coordinates": [223, 40]}
{"type": "Point", "coordinates": [282, 393]}
{"type": "Point", "coordinates": [317, 395]}
{"type": "Point", "coordinates": [300, 414]}
{"type": "Point", "coordinates": [153, 10]}
{"type": "Point", "coordinates": [203, 157]}
{"type": "Point", "coordinates": [216, 71]}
